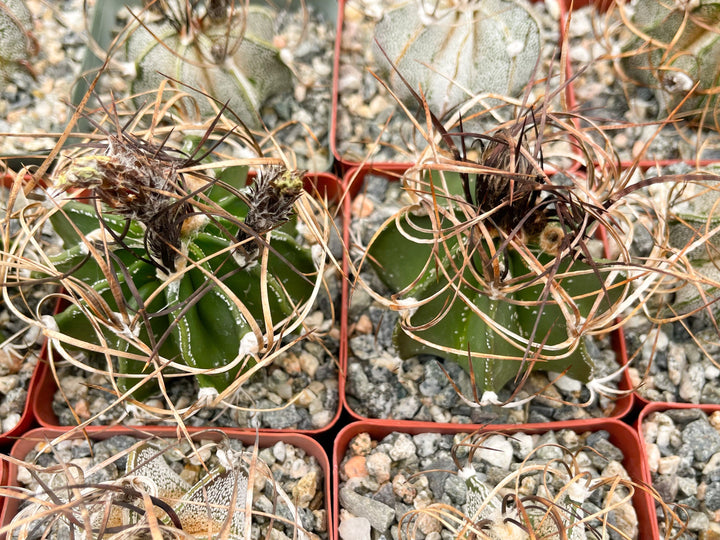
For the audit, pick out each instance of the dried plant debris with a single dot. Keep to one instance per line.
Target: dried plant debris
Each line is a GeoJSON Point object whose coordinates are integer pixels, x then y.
{"type": "Point", "coordinates": [124, 487]}
{"type": "Point", "coordinates": [498, 270]}
{"type": "Point", "coordinates": [172, 266]}
{"type": "Point", "coordinates": [422, 387]}
{"type": "Point", "coordinates": [620, 59]}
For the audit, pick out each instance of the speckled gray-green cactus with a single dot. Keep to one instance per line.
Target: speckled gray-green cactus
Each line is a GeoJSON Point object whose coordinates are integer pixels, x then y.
{"type": "Point", "coordinates": [694, 231]}
{"type": "Point", "coordinates": [200, 502]}
{"type": "Point", "coordinates": [16, 43]}
{"type": "Point", "coordinates": [677, 46]}
{"type": "Point", "coordinates": [478, 46]}
{"type": "Point", "coordinates": [230, 56]}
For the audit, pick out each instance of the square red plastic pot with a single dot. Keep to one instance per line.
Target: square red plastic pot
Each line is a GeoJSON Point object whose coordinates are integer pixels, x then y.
{"type": "Point", "coordinates": [97, 433]}
{"type": "Point", "coordinates": [355, 178]}
{"type": "Point", "coordinates": [658, 524]}
{"type": "Point", "coordinates": [325, 186]}
{"type": "Point", "coordinates": [620, 435]}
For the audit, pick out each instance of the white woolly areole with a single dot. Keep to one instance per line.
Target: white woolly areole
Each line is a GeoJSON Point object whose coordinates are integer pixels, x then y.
{"type": "Point", "coordinates": [207, 396]}
{"type": "Point", "coordinates": [126, 330]}
{"type": "Point", "coordinates": [96, 235]}
{"type": "Point", "coordinates": [677, 82]}
{"type": "Point", "coordinates": [242, 261]}
{"type": "Point", "coordinates": [318, 255]}
{"type": "Point", "coordinates": [48, 321]}
{"type": "Point", "coordinates": [468, 471]}
{"type": "Point", "coordinates": [578, 492]}
{"type": "Point", "coordinates": [489, 398]}
{"type": "Point", "coordinates": [514, 48]}
{"type": "Point", "coordinates": [248, 345]}
{"type": "Point", "coordinates": [407, 305]}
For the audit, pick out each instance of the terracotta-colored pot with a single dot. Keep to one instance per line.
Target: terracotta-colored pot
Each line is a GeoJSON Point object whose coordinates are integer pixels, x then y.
{"type": "Point", "coordinates": [355, 178]}
{"type": "Point", "coordinates": [323, 185]}
{"type": "Point", "coordinates": [264, 440]}
{"type": "Point", "coordinates": [621, 436]}
{"type": "Point", "coordinates": [658, 406]}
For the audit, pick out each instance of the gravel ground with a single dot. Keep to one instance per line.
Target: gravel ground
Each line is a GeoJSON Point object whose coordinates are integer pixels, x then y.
{"type": "Point", "coordinates": [683, 452]}
{"type": "Point", "coordinates": [293, 471]}
{"type": "Point", "coordinates": [383, 480]}
{"type": "Point", "coordinates": [307, 371]}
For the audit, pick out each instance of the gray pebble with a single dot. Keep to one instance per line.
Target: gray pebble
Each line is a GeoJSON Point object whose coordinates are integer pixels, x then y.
{"type": "Point", "coordinates": [703, 438]}
{"type": "Point", "coordinates": [403, 448]}
{"type": "Point", "coordinates": [380, 515]}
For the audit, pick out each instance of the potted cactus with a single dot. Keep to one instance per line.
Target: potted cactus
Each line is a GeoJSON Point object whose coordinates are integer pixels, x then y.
{"type": "Point", "coordinates": [555, 483]}
{"type": "Point", "coordinates": [491, 266]}
{"type": "Point", "coordinates": [173, 268]}
{"type": "Point", "coordinates": [270, 64]}
{"type": "Point", "coordinates": [126, 482]}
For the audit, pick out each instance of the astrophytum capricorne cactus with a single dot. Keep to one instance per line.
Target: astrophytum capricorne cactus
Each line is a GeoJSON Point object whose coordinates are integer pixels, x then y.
{"type": "Point", "coordinates": [181, 282]}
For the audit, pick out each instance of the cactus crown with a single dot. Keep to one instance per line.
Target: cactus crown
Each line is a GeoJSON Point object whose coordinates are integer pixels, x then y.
{"type": "Point", "coordinates": [490, 267]}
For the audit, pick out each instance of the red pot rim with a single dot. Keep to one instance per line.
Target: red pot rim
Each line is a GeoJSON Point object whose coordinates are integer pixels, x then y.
{"type": "Point", "coordinates": [621, 435]}
{"type": "Point", "coordinates": [355, 178]}
{"type": "Point", "coordinates": [31, 438]}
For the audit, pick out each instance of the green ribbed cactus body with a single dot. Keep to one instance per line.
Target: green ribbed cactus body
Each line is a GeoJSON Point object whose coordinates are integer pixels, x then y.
{"type": "Point", "coordinates": [15, 41]}
{"type": "Point", "coordinates": [454, 319]}
{"type": "Point", "coordinates": [191, 319]}
{"type": "Point", "coordinates": [244, 74]}
{"type": "Point", "coordinates": [685, 50]}
{"type": "Point", "coordinates": [481, 46]}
